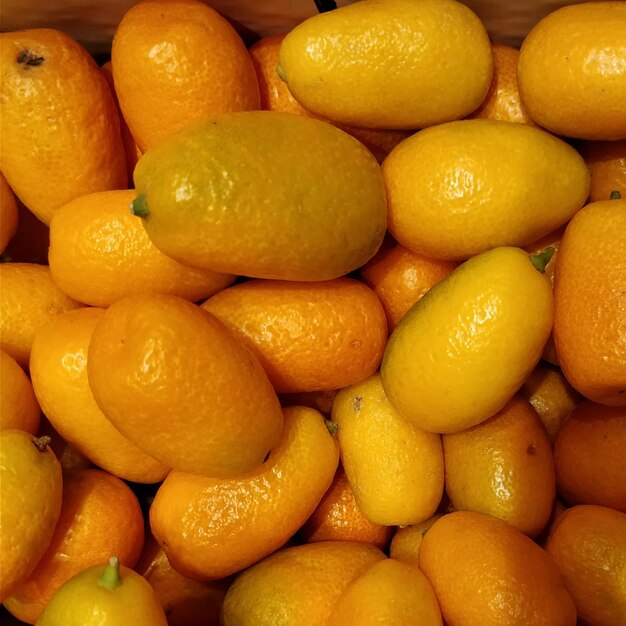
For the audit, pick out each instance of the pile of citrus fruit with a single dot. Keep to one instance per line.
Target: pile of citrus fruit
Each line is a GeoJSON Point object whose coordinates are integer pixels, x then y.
{"type": "Point", "coordinates": [325, 329]}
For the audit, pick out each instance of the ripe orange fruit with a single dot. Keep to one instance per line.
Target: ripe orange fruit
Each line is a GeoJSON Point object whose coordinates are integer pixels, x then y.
{"type": "Point", "coordinates": [589, 456]}
{"type": "Point", "coordinates": [175, 62]}
{"type": "Point", "coordinates": [275, 96]}
{"type": "Point", "coordinates": [588, 544]}
{"type": "Point", "coordinates": [457, 189]}
{"type": "Point", "coordinates": [389, 592]}
{"type": "Point", "coordinates": [407, 540]}
{"type": "Point", "coordinates": [503, 101]}
{"type": "Point", "coordinates": [58, 367]}
{"type": "Point", "coordinates": [307, 336]}
{"type": "Point", "coordinates": [486, 572]}
{"type": "Point", "coordinates": [297, 586]}
{"type": "Point", "coordinates": [551, 396]}
{"type": "Point", "coordinates": [401, 277]}
{"type": "Point", "coordinates": [18, 406]}
{"type": "Point", "coordinates": [186, 602]}
{"type": "Point", "coordinates": [589, 302]}
{"type": "Point", "coordinates": [389, 64]}
{"type": "Point", "coordinates": [54, 95]}
{"type": "Point", "coordinates": [130, 147]}
{"type": "Point", "coordinates": [69, 457]}
{"type": "Point", "coordinates": [606, 161]}
{"type": "Point", "coordinates": [503, 467]}
{"type": "Point", "coordinates": [100, 253]}
{"type": "Point", "coordinates": [8, 214]}
{"type": "Point", "coordinates": [100, 516]}
{"type": "Point", "coordinates": [572, 71]}
{"type": "Point", "coordinates": [174, 380]}
{"type": "Point", "coordinates": [30, 504]}
{"type": "Point", "coordinates": [28, 299]}
{"type": "Point", "coordinates": [210, 528]}
{"type": "Point", "coordinates": [339, 518]}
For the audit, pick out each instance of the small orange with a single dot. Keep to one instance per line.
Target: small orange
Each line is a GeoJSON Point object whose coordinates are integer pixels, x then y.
{"type": "Point", "coordinates": [211, 528]}
{"type": "Point", "coordinates": [606, 161]}
{"type": "Point", "coordinates": [486, 572]}
{"type": "Point", "coordinates": [18, 406]}
{"type": "Point", "coordinates": [406, 542]}
{"type": "Point", "coordinates": [503, 467]}
{"type": "Point", "coordinates": [572, 71]}
{"type": "Point", "coordinates": [339, 518]}
{"type": "Point", "coordinates": [28, 299]}
{"type": "Point", "coordinates": [590, 456]}
{"type": "Point", "coordinates": [175, 381]}
{"type": "Point", "coordinates": [297, 586]}
{"type": "Point", "coordinates": [588, 544]}
{"type": "Point", "coordinates": [275, 96]}
{"type": "Point", "coordinates": [58, 367]}
{"type": "Point", "coordinates": [100, 253]}
{"type": "Point", "coordinates": [551, 396]}
{"type": "Point", "coordinates": [60, 128]}
{"type": "Point", "coordinates": [401, 277]}
{"type": "Point", "coordinates": [186, 602]}
{"type": "Point", "coordinates": [389, 592]}
{"type": "Point", "coordinates": [130, 147]}
{"type": "Point", "coordinates": [69, 457]}
{"type": "Point", "coordinates": [590, 302]}
{"type": "Point", "coordinates": [307, 336]}
{"type": "Point", "coordinates": [503, 101]}
{"type": "Point", "coordinates": [100, 516]}
{"type": "Point", "coordinates": [8, 214]}
{"type": "Point", "coordinates": [177, 61]}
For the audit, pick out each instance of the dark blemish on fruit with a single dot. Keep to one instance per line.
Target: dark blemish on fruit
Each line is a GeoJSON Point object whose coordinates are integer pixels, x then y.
{"type": "Point", "coordinates": [531, 450]}
{"type": "Point", "coordinates": [356, 405]}
{"type": "Point", "coordinates": [29, 58]}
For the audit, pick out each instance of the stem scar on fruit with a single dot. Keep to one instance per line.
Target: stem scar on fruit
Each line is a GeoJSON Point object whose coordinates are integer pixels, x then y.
{"type": "Point", "coordinates": [41, 443]}
{"type": "Point", "coordinates": [541, 259]}
{"type": "Point", "coordinates": [139, 206]}
{"type": "Point", "coordinates": [333, 427]}
{"type": "Point", "coordinates": [29, 58]}
{"type": "Point", "coordinates": [111, 576]}
{"type": "Point", "coordinates": [615, 195]}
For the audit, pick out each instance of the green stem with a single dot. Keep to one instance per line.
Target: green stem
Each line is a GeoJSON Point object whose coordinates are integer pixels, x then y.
{"type": "Point", "coordinates": [615, 195]}
{"type": "Point", "coordinates": [281, 72]}
{"type": "Point", "coordinates": [333, 427]}
{"type": "Point", "coordinates": [541, 260]}
{"type": "Point", "coordinates": [111, 576]}
{"type": "Point", "coordinates": [139, 206]}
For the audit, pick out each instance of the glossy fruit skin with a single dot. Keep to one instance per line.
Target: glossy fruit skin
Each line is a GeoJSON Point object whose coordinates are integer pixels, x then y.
{"type": "Point", "coordinates": [58, 368]}
{"type": "Point", "coordinates": [589, 456]}
{"type": "Point", "coordinates": [460, 354]}
{"type": "Point", "coordinates": [323, 212]}
{"type": "Point", "coordinates": [297, 586]}
{"type": "Point", "coordinates": [53, 95]}
{"type": "Point", "coordinates": [503, 101]}
{"type": "Point", "coordinates": [503, 467]}
{"type": "Point", "coordinates": [462, 188]}
{"type": "Point", "coordinates": [389, 592]}
{"type": "Point", "coordinates": [401, 277]}
{"type": "Point", "coordinates": [588, 545]}
{"type": "Point", "coordinates": [572, 71]}
{"type": "Point", "coordinates": [339, 518]}
{"type": "Point", "coordinates": [590, 302]}
{"type": "Point", "coordinates": [497, 562]}
{"type": "Point", "coordinates": [28, 299]}
{"type": "Point", "coordinates": [606, 161]}
{"type": "Point", "coordinates": [100, 516]}
{"type": "Point", "coordinates": [175, 62]}
{"type": "Point", "coordinates": [32, 489]}
{"type": "Point", "coordinates": [211, 528]}
{"type": "Point", "coordinates": [83, 601]}
{"type": "Point", "coordinates": [18, 406]}
{"type": "Point", "coordinates": [100, 253]}
{"type": "Point", "coordinates": [307, 336]}
{"type": "Point", "coordinates": [394, 467]}
{"type": "Point", "coordinates": [392, 64]}
{"type": "Point", "coordinates": [174, 380]}
{"type": "Point", "coordinates": [407, 540]}
{"type": "Point", "coordinates": [8, 214]}
{"type": "Point", "coordinates": [275, 96]}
